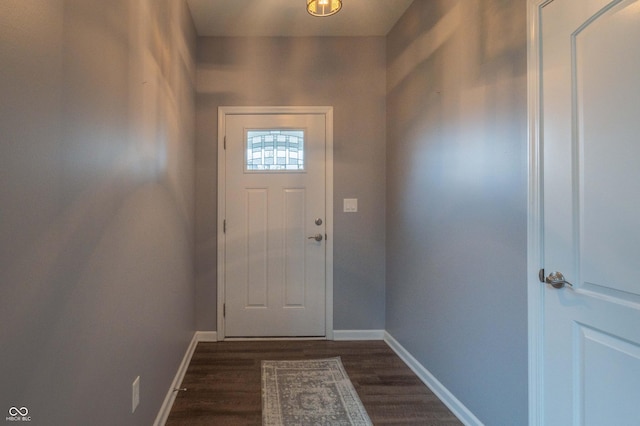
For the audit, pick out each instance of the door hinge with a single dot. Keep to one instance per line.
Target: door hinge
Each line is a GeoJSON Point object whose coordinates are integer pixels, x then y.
{"type": "Point", "coordinates": [224, 310]}
{"type": "Point", "coordinates": [224, 144]}
{"type": "Point", "coordinates": [224, 226]}
{"type": "Point", "coordinates": [541, 275]}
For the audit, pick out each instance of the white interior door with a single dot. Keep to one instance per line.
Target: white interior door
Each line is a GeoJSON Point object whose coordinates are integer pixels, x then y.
{"type": "Point", "coordinates": [590, 137]}
{"type": "Point", "coordinates": [275, 225]}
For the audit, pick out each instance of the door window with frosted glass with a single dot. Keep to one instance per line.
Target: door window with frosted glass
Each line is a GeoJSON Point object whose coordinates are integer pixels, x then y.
{"type": "Point", "coordinates": [274, 150]}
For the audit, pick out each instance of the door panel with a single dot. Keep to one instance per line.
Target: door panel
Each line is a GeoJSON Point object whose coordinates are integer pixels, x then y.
{"type": "Point", "coordinates": [590, 56]}
{"type": "Point", "coordinates": [294, 247]}
{"type": "Point", "coordinates": [274, 274]}
{"type": "Point", "coordinates": [607, 97]}
{"type": "Point", "coordinates": [601, 395]}
{"type": "Point", "coordinates": [255, 252]}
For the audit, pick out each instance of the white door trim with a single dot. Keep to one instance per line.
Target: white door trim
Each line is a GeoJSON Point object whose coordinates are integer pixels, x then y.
{"type": "Point", "coordinates": [225, 111]}
{"type": "Point", "coordinates": [535, 289]}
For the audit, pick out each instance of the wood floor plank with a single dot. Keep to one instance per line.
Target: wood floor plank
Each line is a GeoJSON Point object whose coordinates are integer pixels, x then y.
{"type": "Point", "coordinates": [223, 383]}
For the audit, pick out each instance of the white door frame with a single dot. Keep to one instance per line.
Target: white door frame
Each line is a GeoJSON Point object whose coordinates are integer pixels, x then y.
{"type": "Point", "coordinates": [327, 111]}
{"type": "Point", "coordinates": [535, 289]}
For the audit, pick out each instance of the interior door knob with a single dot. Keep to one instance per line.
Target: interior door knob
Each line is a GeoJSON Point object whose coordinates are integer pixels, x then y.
{"type": "Point", "coordinates": [556, 279]}
{"type": "Point", "coordinates": [317, 237]}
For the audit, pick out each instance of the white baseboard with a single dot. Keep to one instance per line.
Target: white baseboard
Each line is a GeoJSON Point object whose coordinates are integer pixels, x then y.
{"type": "Point", "coordinates": [206, 336]}
{"type": "Point", "coordinates": [165, 409]}
{"type": "Point", "coordinates": [458, 409]}
{"type": "Point", "coordinates": [358, 334]}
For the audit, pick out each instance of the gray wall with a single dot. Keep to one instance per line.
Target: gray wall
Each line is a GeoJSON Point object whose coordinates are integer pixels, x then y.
{"type": "Point", "coordinates": [96, 223]}
{"type": "Point", "coordinates": [346, 73]}
{"type": "Point", "coordinates": [456, 199]}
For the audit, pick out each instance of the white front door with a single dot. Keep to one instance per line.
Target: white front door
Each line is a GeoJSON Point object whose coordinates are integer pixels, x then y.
{"type": "Point", "coordinates": [275, 225]}
{"type": "Point", "coordinates": [589, 60]}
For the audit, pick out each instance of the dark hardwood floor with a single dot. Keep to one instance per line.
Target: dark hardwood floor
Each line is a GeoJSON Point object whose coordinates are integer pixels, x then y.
{"type": "Point", "coordinates": [223, 383]}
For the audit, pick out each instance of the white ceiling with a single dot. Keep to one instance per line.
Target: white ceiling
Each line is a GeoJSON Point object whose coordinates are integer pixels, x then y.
{"type": "Point", "coordinates": [289, 18]}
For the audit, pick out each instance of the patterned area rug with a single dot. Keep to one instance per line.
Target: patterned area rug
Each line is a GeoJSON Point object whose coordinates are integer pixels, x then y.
{"type": "Point", "coordinates": [310, 392]}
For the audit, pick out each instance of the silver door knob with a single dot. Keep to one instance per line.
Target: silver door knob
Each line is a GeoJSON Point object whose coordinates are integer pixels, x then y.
{"type": "Point", "coordinates": [317, 237]}
{"type": "Point", "coordinates": [556, 279]}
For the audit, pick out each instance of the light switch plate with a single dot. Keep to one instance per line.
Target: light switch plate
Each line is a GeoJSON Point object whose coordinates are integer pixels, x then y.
{"type": "Point", "coordinates": [350, 205]}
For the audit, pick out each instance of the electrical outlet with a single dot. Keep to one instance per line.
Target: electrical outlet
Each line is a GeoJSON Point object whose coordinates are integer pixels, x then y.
{"type": "Point", "coordinates": [135, 392]}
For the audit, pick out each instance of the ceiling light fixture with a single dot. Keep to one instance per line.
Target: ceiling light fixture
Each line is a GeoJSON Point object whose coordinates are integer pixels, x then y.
{"type": "Point", "coordinates": [323, 7]}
